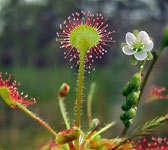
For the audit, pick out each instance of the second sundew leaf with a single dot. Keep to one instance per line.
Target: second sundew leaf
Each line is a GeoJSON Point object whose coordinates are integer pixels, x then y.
{"type": "Point", "coordinates": [10, 94]}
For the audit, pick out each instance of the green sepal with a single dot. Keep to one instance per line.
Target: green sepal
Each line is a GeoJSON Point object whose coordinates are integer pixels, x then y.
{"type": "Point", "coordinates": [164, 41]}
{"type": "Point", "coordinates": [133, 60]}
{"type": "Point", "coordinates": [132, 98]}
{"type": "Point", "coordinates": [136, 32]}
{"type": "Point", "coordinates": [150, 56]}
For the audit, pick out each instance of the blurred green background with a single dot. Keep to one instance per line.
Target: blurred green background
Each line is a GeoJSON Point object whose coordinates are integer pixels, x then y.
{"type": "Point", "coordinates": [28, 49]}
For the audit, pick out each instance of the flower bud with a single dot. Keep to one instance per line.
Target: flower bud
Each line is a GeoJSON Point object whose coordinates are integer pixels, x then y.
{"type": "Point", "coordinates": [127, 123]}
{"type": "Point", "coordinates": [132, 98]}
{"type": "Point", "coordinates": [95, 124]}
{"type": "Point", "coordinates": [131, 113]}
{"type": "Point", "coordinates": [123, 116]}
{"type": "Point", "coordinates": [67, 136]}
{"type": "Point", "coordinates": [64, 89]}
{"type": "Point", "coordinates": [135, 81]}
{"type": "Point", "coordinates": [125, 107]}
{"type": "Point", "coordinates": [136, 32]}
{"type": "Point", "coordinates": [164, 41]}
{"type": "Point", "coordinates": [127, 89]}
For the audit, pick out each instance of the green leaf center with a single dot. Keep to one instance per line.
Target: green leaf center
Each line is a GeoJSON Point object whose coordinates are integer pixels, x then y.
{"type": "Point", "coordinates": [84, 37]}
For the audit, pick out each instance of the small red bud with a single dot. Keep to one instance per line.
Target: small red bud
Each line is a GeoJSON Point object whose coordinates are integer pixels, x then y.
{"type": "Point", "coordinates": [64, 89]}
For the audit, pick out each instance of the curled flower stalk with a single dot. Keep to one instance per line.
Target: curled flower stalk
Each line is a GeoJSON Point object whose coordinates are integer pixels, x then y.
{"type": "Point", "coordinates": [10, 94]}
{"type": "Point", "coordinates": [64, 89]}
{"type": "Point", "coordinates": [84, 35]}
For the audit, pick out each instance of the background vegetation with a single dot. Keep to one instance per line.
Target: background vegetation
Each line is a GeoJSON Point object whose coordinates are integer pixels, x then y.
{"type": "Point", "coordinates": [28, 49]}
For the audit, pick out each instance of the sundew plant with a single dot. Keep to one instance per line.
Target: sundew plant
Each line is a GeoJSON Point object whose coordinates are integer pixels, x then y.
{"type": "Point", "coordinates": [84, 37]}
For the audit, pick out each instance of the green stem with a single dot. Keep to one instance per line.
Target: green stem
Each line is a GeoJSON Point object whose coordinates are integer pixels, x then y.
{"type": "Point", "coordinates": [79, 90]}
{"type": "Point", "coordinates": [37, 119]}
{"type": "Point", "coordinates": [89, 102]}
{"type": "Point", "coordinates": [79, 93]}
{"type": "Point", "coordinates": [124, 131]}
{"type": "Point", "coordinates": [63, 112]}
{"type": "Point", "coordinates": [155, 57]}
{"type": "Point", "coordinates": [141, 66]}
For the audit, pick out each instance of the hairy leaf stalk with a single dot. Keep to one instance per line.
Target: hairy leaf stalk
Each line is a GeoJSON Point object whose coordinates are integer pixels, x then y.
{"type": "Point", "coordinates": [79, 92]}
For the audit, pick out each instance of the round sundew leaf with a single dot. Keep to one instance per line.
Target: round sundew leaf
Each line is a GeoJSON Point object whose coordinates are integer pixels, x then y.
{"type": "Point", "coordinates": [130, 38]}
{"type": "Point", "coordinates": [128, 50]}
{"type": "Point", "coordinates": [84, 37]}
{"type": "Point", "coordinates": [136, 32]}
{"type": "Point", "coordinates": [141, 55]}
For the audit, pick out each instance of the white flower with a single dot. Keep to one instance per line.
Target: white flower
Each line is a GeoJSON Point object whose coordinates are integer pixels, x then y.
{"type": "Point", "coordinates": [138, 46]}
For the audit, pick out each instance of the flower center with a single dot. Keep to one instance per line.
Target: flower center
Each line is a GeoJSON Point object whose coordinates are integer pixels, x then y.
{"type": "Point", "coordinates": [138, 46]}
{"type": "Point", "coordinates": [84, 37]}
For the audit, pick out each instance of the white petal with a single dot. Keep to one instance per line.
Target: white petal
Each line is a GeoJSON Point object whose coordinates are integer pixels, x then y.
{"type": "Point", "coordinates": [143, 36]}
{"type": "Point", "coordinates": [141, 55]}
{"type": "Point", "coordinates": [130, 38]}
{"type": "Point", "coordinates": [128, 50]}
{"type": "Point", "coordinates": [149, 46]}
